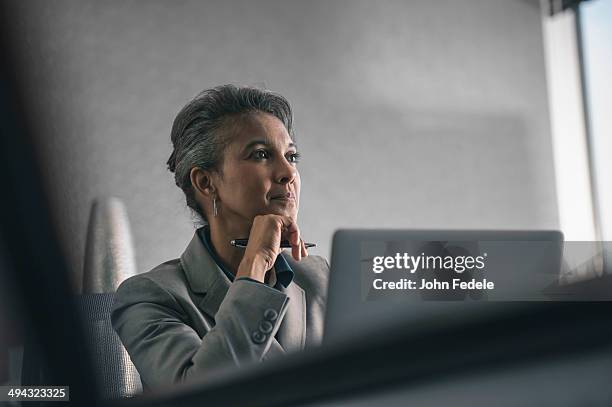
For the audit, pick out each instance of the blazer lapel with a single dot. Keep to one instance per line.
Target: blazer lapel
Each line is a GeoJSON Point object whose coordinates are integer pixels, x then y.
{"type": "Point", "coordinates": [204, 276]}
{"type": "Point", "coordinates": [292, 332]}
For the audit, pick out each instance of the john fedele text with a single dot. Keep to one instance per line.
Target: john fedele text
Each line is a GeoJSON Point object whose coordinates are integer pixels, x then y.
{"type": "Point", "coordinates": [422, 262]}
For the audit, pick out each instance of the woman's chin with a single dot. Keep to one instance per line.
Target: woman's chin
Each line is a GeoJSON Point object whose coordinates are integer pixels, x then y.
{"type": "Point", "coordinates": [290, 211]}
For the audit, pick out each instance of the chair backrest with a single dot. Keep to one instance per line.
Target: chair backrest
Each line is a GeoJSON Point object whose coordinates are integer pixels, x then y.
{"type": "Point", "coordinates": [109, 259]}
{"type": "Point", "coordinates": [116, 375]}
{"type": "Point", "coordinates": [109, 252]}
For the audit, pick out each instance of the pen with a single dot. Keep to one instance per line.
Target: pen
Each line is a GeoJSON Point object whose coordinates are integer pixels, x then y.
{"type": "Point", "coordinates": [284, 244]}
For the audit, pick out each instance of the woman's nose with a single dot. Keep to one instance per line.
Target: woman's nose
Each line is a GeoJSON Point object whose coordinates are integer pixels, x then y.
{"type": "Point", "coordinates": [286, 173]}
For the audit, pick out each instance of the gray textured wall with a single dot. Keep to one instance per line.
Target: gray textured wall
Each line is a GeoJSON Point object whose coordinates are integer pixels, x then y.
{"type": "Point", "coordinates": [429, 114]}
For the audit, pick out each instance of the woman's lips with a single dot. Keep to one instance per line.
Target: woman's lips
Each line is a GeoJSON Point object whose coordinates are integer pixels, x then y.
{"type": "Point", "coordinates": [284, 198]}
{"type": "Point", "coordinates": [287, 195]}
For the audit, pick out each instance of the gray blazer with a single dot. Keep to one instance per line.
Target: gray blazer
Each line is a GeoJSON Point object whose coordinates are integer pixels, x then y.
{"type": "Point", "coordinates": [185, 318]}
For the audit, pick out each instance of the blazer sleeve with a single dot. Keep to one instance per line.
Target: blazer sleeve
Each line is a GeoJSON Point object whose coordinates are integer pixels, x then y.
{"type": "Point", "coordinates": [165, 349]}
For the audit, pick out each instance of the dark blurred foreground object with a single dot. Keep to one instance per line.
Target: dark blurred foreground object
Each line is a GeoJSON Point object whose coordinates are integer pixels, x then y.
{"type": "Point", "coordinates": [109, 259]}
{"type": "Point", "coordinates": [35, 268]}
{"type": "Point", "coordinates": [57, 351]}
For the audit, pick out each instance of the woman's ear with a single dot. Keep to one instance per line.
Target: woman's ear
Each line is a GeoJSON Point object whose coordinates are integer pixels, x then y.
{"type": "Point", "coordinates": [201, 182]}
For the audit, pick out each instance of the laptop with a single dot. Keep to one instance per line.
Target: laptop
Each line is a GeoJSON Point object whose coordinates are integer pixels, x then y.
{"type": "Point", "coordinates": [384, 277]}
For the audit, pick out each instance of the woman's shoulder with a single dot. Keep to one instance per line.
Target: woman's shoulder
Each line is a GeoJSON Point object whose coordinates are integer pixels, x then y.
{"type": "Point", "coordinates": [310, 263]}
{"type": "Point", "coordinates": [311, 273]}
{"type": "Point", "coordinates": [161, 284]}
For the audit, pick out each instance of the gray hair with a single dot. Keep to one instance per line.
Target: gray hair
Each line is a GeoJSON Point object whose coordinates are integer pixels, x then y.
{"type": "Point", "coordinates": [196, 132]}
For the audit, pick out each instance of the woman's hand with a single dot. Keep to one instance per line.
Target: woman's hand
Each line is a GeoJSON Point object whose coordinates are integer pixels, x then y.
{"type": "Point", "coordinates": [264, 245]}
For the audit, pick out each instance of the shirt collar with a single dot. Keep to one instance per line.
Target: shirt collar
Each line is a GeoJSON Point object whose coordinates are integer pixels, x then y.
{"type": "Point", "coordinates": [284, 272]}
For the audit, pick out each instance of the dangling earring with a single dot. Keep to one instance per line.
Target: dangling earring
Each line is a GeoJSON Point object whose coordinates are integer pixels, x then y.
{"type": "Point", "coordinates": [215, 211]}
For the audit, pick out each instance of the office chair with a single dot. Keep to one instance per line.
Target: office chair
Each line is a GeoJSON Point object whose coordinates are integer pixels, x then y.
{"type": "Point", "coordinates": [109, 259]}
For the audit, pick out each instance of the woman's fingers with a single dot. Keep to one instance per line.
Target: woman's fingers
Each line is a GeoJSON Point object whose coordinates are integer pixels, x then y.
{"type": "Point", "coordinates": [296, 252]}
{"type": "Point", "coordinates": [304, 251]}
{"type": "Point", "coordinates": [292, 231]}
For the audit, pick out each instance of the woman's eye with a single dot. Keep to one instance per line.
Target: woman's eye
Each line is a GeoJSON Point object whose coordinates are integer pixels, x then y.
{"type": "Point", "coordinates": [294, 157]}
{"type": "Point", "coordinates": [260, 155]}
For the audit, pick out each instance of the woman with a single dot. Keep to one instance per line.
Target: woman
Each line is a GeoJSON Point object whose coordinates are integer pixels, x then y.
{"type": "Point", "coordinates": [236, 161]}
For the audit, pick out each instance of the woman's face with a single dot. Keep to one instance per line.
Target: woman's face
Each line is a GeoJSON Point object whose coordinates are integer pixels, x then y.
{"type": "Point", "coordinates": [259, 170]}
